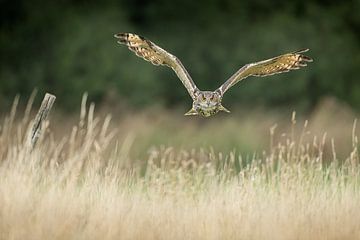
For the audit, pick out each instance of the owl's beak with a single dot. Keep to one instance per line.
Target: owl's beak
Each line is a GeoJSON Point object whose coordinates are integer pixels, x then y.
{"type": "Point", "coordinates": [222, 108]}
{"type": "Point", "coordinates": [191, 112]}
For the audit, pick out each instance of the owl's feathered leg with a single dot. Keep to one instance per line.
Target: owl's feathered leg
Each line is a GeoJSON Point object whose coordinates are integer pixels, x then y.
{"type": "Point", "coordinates": [222, 108]}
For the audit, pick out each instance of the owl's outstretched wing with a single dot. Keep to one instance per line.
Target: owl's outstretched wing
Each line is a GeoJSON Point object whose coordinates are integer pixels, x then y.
{"type": "Point", "coordinates": [157, 56]}
{"type": "Point", "coordinates": [279, 64]}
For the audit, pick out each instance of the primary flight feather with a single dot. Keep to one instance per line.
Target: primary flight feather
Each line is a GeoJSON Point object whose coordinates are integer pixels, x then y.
{"type": "Point", "coordinates": [207, 103]}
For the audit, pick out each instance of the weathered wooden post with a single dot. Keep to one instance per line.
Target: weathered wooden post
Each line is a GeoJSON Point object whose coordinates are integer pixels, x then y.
{"type": "Point", "coordinates": [41, 117]}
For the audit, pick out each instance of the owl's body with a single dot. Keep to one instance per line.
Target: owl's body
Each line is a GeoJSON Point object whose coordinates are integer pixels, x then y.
{"type": "Point", "coordinates": [207, 112]}
{"type": "Point", "coordinates": [207, 103]}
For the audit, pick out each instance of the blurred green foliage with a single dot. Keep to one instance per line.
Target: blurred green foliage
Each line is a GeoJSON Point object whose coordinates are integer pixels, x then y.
{"type": "Point", "coordinates": [67, 47]}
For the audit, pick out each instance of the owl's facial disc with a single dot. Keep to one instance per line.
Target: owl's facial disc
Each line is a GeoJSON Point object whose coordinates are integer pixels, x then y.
{"type": "Point", "coordinates": [207, 103]}
{"type": "Point", "coordinates": [207, 99]}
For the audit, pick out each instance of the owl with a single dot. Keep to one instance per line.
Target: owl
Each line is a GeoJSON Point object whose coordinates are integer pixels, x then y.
{"type": "Point", "coordinates": [208, 103]}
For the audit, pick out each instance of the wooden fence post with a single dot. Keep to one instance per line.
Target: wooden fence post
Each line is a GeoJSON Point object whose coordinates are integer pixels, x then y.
{"type": "Point", "coordinates": [41, 117]}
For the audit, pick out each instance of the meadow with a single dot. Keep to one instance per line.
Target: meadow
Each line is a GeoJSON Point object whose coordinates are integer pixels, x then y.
{"type": "Point", "coordinates": [155, 174]}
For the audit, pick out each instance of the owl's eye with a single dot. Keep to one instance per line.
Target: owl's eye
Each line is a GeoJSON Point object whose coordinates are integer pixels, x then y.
{"type": "Point", "coordinates": [203, 98]}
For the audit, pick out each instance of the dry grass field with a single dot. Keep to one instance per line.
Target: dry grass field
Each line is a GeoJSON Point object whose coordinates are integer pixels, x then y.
{"type": "Point", "coordinates": [232, 177]}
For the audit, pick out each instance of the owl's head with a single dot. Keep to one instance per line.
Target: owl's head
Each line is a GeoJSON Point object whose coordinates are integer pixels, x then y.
{"type": "Point", "coordinates": [207, 100]}
{"type": "Point", "coordinates": [207, 103]}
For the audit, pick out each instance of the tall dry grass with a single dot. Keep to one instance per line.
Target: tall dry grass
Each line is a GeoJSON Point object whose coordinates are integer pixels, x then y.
{"type": "Point", "coordinates": [83, 184]}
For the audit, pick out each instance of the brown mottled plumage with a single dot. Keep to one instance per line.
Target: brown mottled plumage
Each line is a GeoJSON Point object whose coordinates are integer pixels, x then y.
{"type": "Point", "coordinates": [157, 56]}
{"type": "Point", "coordinates": [207, 103]}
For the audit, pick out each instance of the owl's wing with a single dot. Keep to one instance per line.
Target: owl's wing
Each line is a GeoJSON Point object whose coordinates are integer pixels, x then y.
{"type": "Point", "coordinates": [157, 56]}
{"type": "Point", "coordinates": [279, 64]}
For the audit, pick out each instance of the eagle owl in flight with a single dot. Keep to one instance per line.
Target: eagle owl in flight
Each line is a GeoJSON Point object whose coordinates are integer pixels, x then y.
{"type": "Point", "coordinates": [207, 103]}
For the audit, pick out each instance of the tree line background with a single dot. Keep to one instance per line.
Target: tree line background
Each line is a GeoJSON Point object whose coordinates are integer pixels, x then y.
{"type": "Point", "coordinates": [67, 47]}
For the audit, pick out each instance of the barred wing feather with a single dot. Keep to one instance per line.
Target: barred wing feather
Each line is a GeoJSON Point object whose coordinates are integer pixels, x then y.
{"type": "Point", "coordinates": [280, 64]}
{"type": "Point", "coordinates": [157, 56]}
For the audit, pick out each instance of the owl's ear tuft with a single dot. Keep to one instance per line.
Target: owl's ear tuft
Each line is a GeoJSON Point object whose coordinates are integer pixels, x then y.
{"type": "Point", "coordinates": [191, 112]}
{"type": "Point", "coordinates": [222, 108]}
